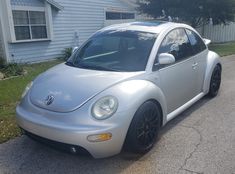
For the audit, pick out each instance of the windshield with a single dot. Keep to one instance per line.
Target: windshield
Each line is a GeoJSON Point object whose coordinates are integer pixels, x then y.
{"type": "Point", "coordinates": [125, 51]}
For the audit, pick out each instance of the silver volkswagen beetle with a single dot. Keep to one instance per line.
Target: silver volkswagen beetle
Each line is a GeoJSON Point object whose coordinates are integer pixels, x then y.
{"type": "Point", "coordinates": [120, 87]}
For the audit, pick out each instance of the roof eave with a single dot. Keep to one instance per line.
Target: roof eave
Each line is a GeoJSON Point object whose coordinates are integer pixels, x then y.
{"type": "Point", "coordinates": [55, 4]}
{"type": "Point", "coordinates": [133, 5]}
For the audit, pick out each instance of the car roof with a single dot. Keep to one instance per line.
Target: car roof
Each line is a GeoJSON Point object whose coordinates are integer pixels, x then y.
{"type": "Point", "coordinates": [152, 27]}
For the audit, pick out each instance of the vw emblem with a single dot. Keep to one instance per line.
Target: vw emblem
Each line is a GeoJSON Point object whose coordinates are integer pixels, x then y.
{"type": "Point", "coordinates": [49, 100]}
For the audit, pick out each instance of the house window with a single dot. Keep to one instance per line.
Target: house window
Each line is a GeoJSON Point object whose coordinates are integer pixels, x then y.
{"type": "Point", "coordinates": [119, 15]}
{"type": "Point", "coordinates": [29, 25]}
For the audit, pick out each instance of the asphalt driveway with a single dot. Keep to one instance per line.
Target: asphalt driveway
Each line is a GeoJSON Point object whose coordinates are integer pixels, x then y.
{"type": "Point", "coordinates": [201, 140]}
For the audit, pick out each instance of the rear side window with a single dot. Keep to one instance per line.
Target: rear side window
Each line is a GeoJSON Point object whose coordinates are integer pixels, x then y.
{"type": "Point", "coordinates": [177, 44]}
{"type": "Point", "coordinates": [197, 43]}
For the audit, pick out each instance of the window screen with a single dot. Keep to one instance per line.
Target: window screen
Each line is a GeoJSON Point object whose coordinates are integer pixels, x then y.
{"type": "Point", "coordinates": [29, 25]}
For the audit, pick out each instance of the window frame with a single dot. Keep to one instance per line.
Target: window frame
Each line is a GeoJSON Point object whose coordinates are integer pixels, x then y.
{"type": "Point", "coordinates": [48, 18]}
{"type": "Point", "coordinates": [156, 66]}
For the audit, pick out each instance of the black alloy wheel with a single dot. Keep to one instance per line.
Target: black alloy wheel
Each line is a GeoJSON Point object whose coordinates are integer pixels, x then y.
{"type": "Point", "coordinates": [215, 81]}
{"type": "Point", "coordinates": [143, 131]}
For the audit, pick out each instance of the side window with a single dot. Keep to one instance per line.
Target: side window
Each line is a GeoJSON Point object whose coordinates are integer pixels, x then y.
{"type": "Point", "coordinates": [177, 44]}
{"type": "Point", "coordinates": [197, 43]}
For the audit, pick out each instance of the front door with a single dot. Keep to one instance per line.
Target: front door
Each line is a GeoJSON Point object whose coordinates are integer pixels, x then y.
{"type": "Point", "coordinates": [177, 80]}
{"type": "Point", "coordinates": [200, 52]}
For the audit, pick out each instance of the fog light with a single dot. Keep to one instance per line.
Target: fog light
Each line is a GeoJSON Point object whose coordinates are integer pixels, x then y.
{"type": "Point", "coordinates": [99, 137]}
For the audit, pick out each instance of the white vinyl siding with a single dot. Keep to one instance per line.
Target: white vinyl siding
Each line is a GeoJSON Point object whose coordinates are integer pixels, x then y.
{"type": "Point", "coordinates": [33, 3]}
{"type": "Point", "coordinates": [1, 46]}
{"type": "Point", "coordinates": [78, 18]}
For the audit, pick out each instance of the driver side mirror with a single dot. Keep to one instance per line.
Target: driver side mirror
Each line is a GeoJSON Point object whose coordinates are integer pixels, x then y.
{"type": "Point", "coordinates": [75, 49]}
{"type": "Point", "coordinates": [207, 41]}
{"type": "Point", "coordinates": [166, 59]}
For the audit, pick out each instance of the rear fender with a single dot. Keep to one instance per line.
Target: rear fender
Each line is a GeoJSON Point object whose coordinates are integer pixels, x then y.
{"type": "Point", "coordinates": [213, 59]}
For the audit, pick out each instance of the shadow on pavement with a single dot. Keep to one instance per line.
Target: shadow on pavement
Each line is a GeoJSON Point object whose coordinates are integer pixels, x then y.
{"type": "Point", "coordinates": [184, 114]}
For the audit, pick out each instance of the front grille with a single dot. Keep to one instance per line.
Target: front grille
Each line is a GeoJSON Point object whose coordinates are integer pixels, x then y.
{"type": "Point", "coordinates": [74, 149]}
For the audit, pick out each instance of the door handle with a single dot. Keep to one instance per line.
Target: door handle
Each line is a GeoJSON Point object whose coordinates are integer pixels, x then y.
{"type": "Point", "coordinates": [194, 66]}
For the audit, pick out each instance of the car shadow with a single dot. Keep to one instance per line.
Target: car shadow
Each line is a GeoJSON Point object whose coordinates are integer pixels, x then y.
{"type": "Point", "coordinates": [27, 156]}
{"type": "Point", "coordinates": [178, 119]}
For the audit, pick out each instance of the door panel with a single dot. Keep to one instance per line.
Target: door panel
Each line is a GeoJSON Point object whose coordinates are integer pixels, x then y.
{"type": "Point", "coordinates": [200, 70]}
{"type": "Point", "coordinates": [178, 80]}
{"type": "Point", "coordinates": [178, 84]}
{"type": "Point", "coordinates": [200, 52]}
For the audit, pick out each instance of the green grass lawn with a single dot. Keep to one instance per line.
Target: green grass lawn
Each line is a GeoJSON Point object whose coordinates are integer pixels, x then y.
{"type": "Point", "coordinates": [10, 94]}
{"type": "Point", "coordinates": [223, 49]}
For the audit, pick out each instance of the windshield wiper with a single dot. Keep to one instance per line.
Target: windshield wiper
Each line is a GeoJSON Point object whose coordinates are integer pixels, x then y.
{"type": "Point", "coordinates": [70, 64]}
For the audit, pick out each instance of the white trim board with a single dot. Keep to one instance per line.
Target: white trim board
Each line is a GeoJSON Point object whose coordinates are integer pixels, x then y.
{"type": "Point", "coordinates": [4, 31]}
{"type": "Point", "coordinates": [27, 8]}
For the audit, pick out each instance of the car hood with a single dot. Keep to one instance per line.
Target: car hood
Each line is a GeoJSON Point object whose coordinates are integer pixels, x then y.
{"type": "Point", "coordinates": [65, 89]}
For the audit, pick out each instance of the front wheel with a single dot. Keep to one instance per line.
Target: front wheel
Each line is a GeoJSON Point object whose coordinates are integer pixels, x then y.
{"type": "Point", "coordinates": [144, 128]}
{"type": "Point", "coordinates": [215, 81]}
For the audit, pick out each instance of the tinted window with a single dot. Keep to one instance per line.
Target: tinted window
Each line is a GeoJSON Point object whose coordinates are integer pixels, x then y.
{"type": "Point", "coordinates": [128, 16]}
{"type": "Point", "coordinates": [197, 43]}
{"type": "Point", "coordinates": [177, 44]}
{"type": "Point", "coordinates": [115, 51]}
{"type": "Point", "coordinates": [119, 15]}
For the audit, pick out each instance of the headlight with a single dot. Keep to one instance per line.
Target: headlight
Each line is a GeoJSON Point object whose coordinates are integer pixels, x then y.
{"type": "Point", "coordinates": [105, 107]}
{"type": "Point", "coordinates": [27, 89]}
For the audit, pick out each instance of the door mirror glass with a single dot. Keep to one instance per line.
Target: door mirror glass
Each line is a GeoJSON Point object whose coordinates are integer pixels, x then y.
{"type": "Point", "coordinates": [75, 49]}
{"type": "Point", "coordinates": [166, 59]}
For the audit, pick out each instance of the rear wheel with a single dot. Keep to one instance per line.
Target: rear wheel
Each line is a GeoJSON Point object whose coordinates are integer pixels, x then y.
{"type": "Point", "coordinates": [144, 128]}
{"type": "Point", "coordinates": [215, 81]}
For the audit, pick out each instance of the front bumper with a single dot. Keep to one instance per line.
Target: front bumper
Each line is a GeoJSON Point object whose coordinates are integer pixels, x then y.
{"type": "Point", "coordinates": [74, 134]}
{"type": "Point", "coordinates": [54, 144]}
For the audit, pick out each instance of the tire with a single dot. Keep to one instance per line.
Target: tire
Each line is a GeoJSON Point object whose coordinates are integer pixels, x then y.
{"type": "Point", "coordinates": [215, 82]}
{"type": "Point", "coordinates": [144, 128]}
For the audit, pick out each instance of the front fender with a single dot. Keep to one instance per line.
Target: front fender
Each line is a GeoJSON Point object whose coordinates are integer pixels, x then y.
{"type": "Point", "coordinates": [133, 93]}
{"type": "Point", "coordinates": [212, 60]}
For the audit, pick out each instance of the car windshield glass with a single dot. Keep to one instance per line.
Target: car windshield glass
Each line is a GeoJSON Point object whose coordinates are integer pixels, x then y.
{"type": "Point", "coordinates": [124, 51]}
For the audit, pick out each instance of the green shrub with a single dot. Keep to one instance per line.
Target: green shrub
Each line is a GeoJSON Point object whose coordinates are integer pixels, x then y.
{"type": "Point", "coordinates": [12, 69]}
{"type": "Point", "coordinates": [2, 63]}
{"type": "Point", "coordinates": [67, 52]}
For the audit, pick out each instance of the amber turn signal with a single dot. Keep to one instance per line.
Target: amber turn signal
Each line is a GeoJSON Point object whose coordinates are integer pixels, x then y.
{"type": "Point", "coordinates": [99, 137]}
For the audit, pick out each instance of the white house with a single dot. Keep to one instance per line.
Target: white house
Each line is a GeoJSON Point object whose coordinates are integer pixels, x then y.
{"type": "Point", "coordinates": [38, 30]}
